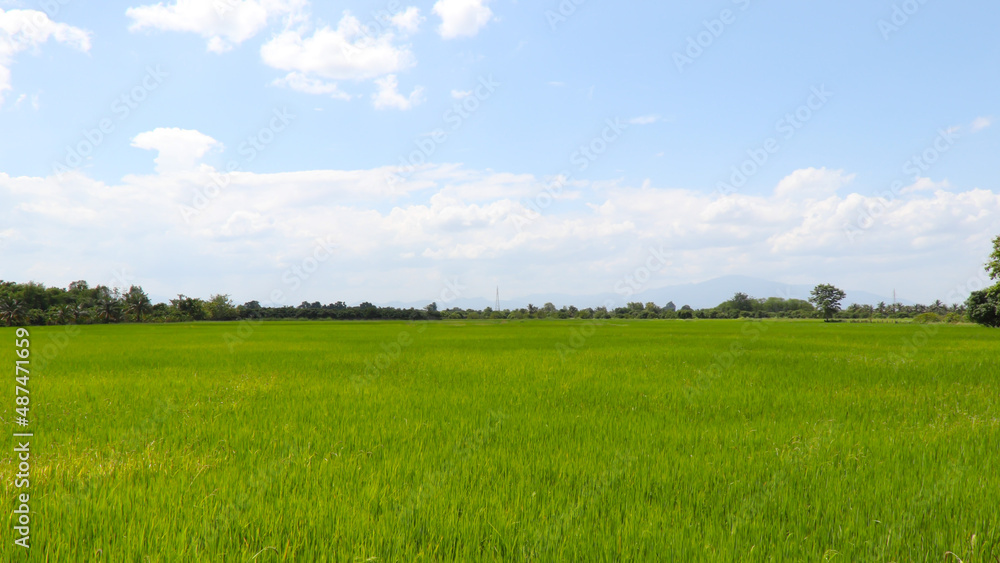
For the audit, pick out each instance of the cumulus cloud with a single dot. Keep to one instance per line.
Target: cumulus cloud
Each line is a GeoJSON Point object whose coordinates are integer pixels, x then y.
{"type": "Point", "coordinates": [408, 21]}
{"type": "Point", "coordinates": [812, 183]}
{"type": "Point", "coordinates": [225, 23]}
{"type": "Point", "coordinates": [349, 52]}
{"type": "Point", "coordinates": [449, 220]}
{"type": "Point", "coordinates": [462, 18]}
{"type": "Point", "coordinates": [22, 30]}
{"type": "Point", "coordinates": [179, 149]}
{"type": "Point", "coordinates": [388, 96]}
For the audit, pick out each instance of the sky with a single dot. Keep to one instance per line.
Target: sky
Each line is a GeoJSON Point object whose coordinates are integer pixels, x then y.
{"type": "Point", "coordinates": [288, 151]}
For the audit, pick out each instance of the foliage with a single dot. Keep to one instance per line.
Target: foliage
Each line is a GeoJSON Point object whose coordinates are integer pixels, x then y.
{"type": "Point", "coordinates": [82, 303]}
{"type": "Point", "coordinates": [220, 308]}
{"type": "Point", "coordinates": [827, 298]}
{"type": "Point", "coordinates": [925, 318]}
{"type": "Point", "coordinates": [984, 306]}
{"type": "Point", "coordinates": [993, 265]}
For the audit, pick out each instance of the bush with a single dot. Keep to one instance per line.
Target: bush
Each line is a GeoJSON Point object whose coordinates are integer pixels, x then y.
{"type": "Point", "coordinates": [953, 318]}
{"type": "Point", "coordinates": [925, 318]}
{"type": "Point", "coordinates": [686, 314]}
{"type": "Point", "coordinates": [984, 306]}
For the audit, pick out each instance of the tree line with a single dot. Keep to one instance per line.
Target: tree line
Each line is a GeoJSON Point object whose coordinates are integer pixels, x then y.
{"type": "Point", "coordinates": [34, 304]}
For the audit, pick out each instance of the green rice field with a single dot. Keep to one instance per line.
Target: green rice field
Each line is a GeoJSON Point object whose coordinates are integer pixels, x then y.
{"type": "Point", "coordinates": [509, 441]}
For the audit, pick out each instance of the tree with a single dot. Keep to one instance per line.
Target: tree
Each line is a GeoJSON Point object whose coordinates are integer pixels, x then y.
{"type": "Point", "coordinates": [108, 303]}
{"type": "Point", "coordinates": [107, 309]}
{"type": "Point", "coordinates": [191, 308]}
{"type": "Point", "coordinates": [742, 302]}
{"type": "Point", "coordinates": [79, 310]}
{"type": "Point", "coordinates": [137, 302]}
{"type": "Point", "coordinates": [993, 266]}
{"type": "Point", "coordinates": [220, 308]}
{"type": "Point", "coordinates": [827, 298]}
{"type": "Point", "coordinates": [11, 311]}
{"type": "Point", "coordinates": [670, 307]}
{"type": "Point", "coordinates": [984, 306]}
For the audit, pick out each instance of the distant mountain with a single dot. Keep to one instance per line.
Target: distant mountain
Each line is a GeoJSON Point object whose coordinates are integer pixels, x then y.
{"type": "Point", "coordinates": [701, 295]}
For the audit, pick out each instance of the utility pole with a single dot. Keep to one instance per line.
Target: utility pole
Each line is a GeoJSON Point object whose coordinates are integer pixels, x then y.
{"type": "Point", "coordinates": [497, 307]}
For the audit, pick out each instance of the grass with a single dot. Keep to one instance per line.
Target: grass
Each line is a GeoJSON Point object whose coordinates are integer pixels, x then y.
{"type": "Point", "coordinates": [538, 440]}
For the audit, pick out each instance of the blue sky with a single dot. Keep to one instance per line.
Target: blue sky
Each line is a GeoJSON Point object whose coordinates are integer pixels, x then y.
{"type": "Point", "coordinates": [360, 124]}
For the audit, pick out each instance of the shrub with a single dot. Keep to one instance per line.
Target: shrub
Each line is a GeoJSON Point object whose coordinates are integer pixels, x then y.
{"type": "Point", "coordinates": [925, 318]}
{"type": "Point", "coordinates": [984, 306]}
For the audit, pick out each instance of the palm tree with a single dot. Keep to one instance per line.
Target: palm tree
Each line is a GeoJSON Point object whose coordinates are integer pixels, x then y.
{"type": "Point", "coordinates": [107, 309]}
{"type": "Point", "coordinates": [137, 302]}
{"type": "Point", "coordinates": [79, 311]}
{"type": "Point", "coordinates": [11, 311]}
{"type": "Point", "coordinates": [64, 313]}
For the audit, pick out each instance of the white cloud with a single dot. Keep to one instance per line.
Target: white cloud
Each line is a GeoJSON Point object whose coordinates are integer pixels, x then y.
{"type": "Point", "coordinates": [345, 53]}
{"type": "Point", "coordinates": [812, 183]}
{"type": "Point", "coordinates": [348, 52]}
{"type": "Point", "coordinates": [179, 149]}
{"type": "Point", "coordinates": [462, 18]}
{"type": "Point", "coordinates": [22, 30]}
{"type": "Point", "coordinates": [225, 23]}
{"type": "Point", "coordinates": [925, 185]}
{"type": "Point", "coordinates": [461, 94]}
{"type": "Point", "coordinates": [981, 123]}
{"type": "Point", "coordinates": [302, 83]}
{"type": "Point", "coordinates": [645, 119]}
{"type": "Point", "coordinates": [388, 96]}
{"type": "Point", "coordinates": [408, 21]}
{"type": "Point", "coordinates": [448, 220]}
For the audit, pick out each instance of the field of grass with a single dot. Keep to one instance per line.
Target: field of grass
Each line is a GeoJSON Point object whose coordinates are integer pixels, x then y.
{"type": "Point", "coordinates": [544, 441]}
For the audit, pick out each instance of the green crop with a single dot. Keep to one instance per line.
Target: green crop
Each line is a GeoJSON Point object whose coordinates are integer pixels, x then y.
{"type": "Point", "coordinates": [539, 441]}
